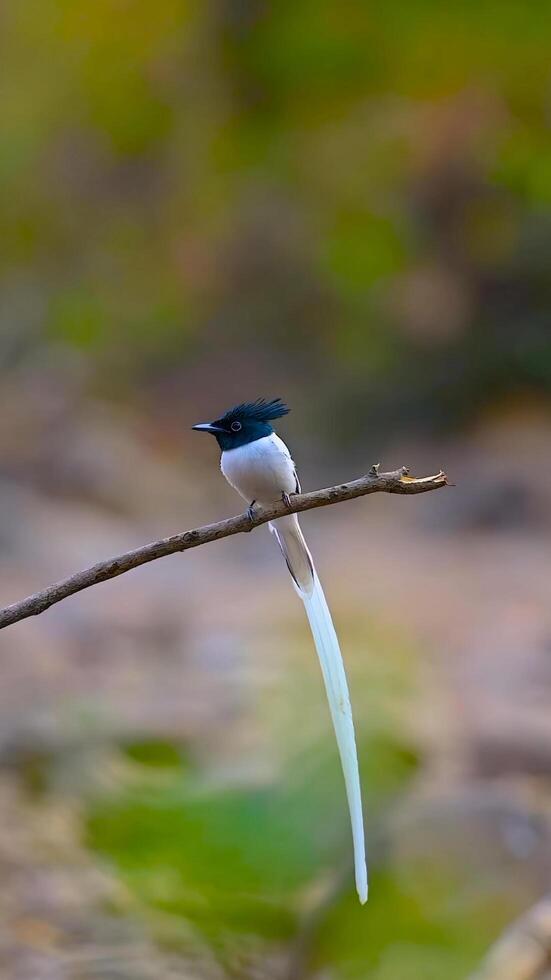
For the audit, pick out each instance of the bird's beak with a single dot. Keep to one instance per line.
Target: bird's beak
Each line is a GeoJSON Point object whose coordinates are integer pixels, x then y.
{"type": "Point", "coordinates": [207, 427]}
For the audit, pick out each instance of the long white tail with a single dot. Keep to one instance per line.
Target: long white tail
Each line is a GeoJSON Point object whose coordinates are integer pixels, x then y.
{"type": "Point", "coordinates": [307, 584]}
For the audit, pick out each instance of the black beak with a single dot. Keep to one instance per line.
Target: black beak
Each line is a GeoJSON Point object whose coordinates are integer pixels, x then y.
{"type": "Point", "coordinates": [207, 427]}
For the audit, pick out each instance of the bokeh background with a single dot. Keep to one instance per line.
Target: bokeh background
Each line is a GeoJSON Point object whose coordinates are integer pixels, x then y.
{"type": "Point", "coordinates": [348, 206]}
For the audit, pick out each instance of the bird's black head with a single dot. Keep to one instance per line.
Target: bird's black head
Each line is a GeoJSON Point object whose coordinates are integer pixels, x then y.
{"type": "Point", "coordinates": [244, 423]}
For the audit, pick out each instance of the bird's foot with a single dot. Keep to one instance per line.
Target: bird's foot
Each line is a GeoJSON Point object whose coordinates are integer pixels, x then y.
{"type": "Point", "coordinates": [286, 499]}
{"type": "Point", "coordinates": [250, 513]}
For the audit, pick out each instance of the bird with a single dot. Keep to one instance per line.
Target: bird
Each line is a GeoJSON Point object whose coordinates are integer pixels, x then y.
{"type": "Point", "coordinates": [258, 464]}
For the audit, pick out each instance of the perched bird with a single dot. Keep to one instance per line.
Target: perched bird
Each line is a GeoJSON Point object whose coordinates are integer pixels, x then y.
{"type": "Point", "coordinates": [257, 463]}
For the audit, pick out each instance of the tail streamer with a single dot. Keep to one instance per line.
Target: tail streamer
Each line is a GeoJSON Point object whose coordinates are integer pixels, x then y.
{"type": "Point", "coordinates": [308, 586]}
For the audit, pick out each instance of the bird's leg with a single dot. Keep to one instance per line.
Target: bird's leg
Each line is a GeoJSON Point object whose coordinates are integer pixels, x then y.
{"type": "Point", "coordinates": [286, 499]}
{"type": "Point", "coordinates": [250, 512]}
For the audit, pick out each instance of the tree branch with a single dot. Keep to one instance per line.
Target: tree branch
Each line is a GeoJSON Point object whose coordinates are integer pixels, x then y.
{"type": "Point", "coordinates": [374, 482]}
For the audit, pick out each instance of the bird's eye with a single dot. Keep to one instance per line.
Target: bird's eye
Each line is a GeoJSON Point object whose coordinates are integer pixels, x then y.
{"type": "Point", "coordinates": [236, 426]}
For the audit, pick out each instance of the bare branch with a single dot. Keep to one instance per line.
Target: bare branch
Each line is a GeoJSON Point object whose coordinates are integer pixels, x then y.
{"type": "Point", "coordinates": [523, 952]}
{"type": "Point", "coordinates": [398, 481]}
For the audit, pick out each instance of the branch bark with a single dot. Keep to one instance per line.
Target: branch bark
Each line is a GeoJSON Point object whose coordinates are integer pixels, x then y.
{"type": "Point", "coordinates": [397, 481]}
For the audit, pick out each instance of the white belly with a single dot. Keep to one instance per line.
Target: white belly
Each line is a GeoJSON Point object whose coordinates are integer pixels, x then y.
{"type": "Point", "coordinates": [261, 470]}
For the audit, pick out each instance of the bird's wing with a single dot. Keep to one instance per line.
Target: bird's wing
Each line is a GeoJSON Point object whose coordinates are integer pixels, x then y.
{"type": "Point", "coordinates": [286, 452]}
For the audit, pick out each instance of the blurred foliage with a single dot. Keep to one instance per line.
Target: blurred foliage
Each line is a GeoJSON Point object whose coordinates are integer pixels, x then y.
{"type": "Point", "coordinates": [241, 865]}
{"type": "Point", "coordinates": [252, 869]}
{"type": "Point", "coordinates": [350, 195]}
{"type": "Point", "coordinates": [240, 860]}
{"type": "Point", "coordinates": [236, 861]}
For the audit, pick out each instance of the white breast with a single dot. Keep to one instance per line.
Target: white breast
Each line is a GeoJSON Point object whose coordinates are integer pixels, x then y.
{"type": "Point", "coordinates": [261, 470]}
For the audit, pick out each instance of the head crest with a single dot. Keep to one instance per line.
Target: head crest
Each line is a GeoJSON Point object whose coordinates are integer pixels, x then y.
{"type": "Point", "coordinates": [260, 410]}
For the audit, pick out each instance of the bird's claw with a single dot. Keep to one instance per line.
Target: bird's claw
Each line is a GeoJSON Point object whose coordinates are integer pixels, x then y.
{"type": "Point", "coordinates": [250, 513]}
{"type": "Point", "coordinates": [286, 499]}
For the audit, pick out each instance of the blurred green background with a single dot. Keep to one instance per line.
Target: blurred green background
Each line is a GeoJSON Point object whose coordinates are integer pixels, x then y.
{"type": "Point", "coordinates": [348, 206]}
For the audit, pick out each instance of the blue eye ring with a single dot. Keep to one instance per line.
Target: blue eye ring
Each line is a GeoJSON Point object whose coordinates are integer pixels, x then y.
{"type": "Point", "coordinates": [236, 426]}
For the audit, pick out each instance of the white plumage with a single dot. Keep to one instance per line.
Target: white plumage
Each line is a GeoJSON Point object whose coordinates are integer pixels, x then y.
{"type": "Point", "coordinates": [262, 471]}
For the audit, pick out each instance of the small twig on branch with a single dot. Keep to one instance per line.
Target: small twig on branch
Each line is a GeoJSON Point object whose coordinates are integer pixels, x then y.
{"type": "Point", "coordinates": [398, 481]}
{"type": "Point", "coordinates": [523, 952]}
